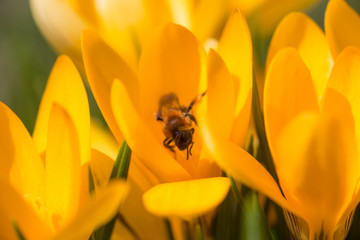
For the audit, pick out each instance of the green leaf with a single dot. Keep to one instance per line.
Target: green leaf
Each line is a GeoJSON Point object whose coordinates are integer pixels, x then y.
{"type": "Point", "coordinates": [116, 166]}
{"type": "Point", "coordinates": [18, 232]}
{"type": "Point", "coordinates": [253, 224]}
{"type": "Point", "coordinates": [226, 224]}
{"type": "Point", "coordinates": [120, 170]}
{"type": "Point", "coordinates": [91, 181]}
{"type": "Point", "coordinates": [124, 163]}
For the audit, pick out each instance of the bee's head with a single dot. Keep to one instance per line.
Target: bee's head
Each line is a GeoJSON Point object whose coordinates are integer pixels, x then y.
{"type": "Point", "coordinates": [184, 139]}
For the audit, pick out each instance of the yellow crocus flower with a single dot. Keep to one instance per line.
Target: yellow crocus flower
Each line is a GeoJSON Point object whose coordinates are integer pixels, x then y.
{"type": "Point", "coordinates": [174, 61]}
{"type": "Point", "coordinates": [44, 179]}
{"type": "Point", "coordinates": [311, 118]}
{"type": "Point", "coordinates": [126, 24]}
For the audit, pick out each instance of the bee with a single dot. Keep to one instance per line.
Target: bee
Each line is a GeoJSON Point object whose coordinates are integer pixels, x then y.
{"type": "Point", "coordinates": [177, 121]}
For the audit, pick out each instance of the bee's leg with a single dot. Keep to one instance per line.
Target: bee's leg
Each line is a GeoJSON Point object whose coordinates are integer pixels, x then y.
{"type": "Point", "coordinates": [187, 153]}
{"type": "Point", "coordinates": [158, 117]}
{"type": "Point", "coordinates": [192, 118]}
{"type": "Point", "coordinates": [192, 130]}
{"type": "Point", "coordinates": [192, 144]}
{"type": "Point", "coordinates": [167, 142]}
{"type": "Point", "coordinates": [194, 101]}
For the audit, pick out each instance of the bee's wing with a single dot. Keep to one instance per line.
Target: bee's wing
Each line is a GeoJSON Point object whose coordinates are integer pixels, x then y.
{"type": "Point", "coordinates": [166, 103]}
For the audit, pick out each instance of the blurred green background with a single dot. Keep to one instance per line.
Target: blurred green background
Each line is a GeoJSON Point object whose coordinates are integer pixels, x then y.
{"type": "Point", "coordinates": [26, 58]}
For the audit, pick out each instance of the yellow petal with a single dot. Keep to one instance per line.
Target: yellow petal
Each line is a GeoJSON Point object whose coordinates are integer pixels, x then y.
{"type": "Point", "coordinates": [289, 90]}
{"type": "Point", "coordinates": [141, 140]}
{"type": "Point", "coordinates": [241, 165]}
{"type": "Point", "coordinates": [101, 166]}
{"type": "Point", "coordinates": [21, 164]}
{"type": "Point", "coordinates": [103, 65]}
{"type": "Point", "coordinates": [14, 209]}
{"type": "Point", "coordinates": [121, 20]}
{"type": "Point", "coordinates": [170, 63]}
{"type": "Point", "coordinates": [208, 17]}
{"type": "Point", "coordinates": [220, 94]}
{"type": "Point", "coordinates": [62, 167]}
{"type": "Point", "coordinates": [66, 88]}
{"type": "Point", "coordinates": [235, 48]}
{"type": "Point", "coordinates": [86, 10]}
{"type": "Point", "coordinates": [60, 25]}
{"type": "Point", "coordinates": [299, 31]}
{"type": "Point", "coordinates": [100, 210]}
{"type": "Point", "coordinates": [141, 221]}
{"type": "Point", "coordinates": [187, 199]}
{"type": "Point", "coordinates": [180, 10]}
{"type": "Point", "coordinates": [103, 140]}
{"type": "Point", "coordinates": [315, 154]}
{"type": "Point", "coordinates": [345, 80]}
{"type": "Point", "coordinates": [341, 26]}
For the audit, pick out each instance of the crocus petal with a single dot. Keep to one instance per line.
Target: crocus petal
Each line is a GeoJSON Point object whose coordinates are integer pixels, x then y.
{"type": "Point", "coordinates": [66, 88]}
{"type": "Point", "coordinates": [187, 199]}
{"type": "Point", "coordinates": [288, 91]}
{"type": "Point", "coordinates": [299, 31]}
{"type": "Point", "coordinates": [141, 140]}
{"type": "Point", "coordinates": [208, 16]}
{"type": "Point", "coordinates": [143, 223]}
{"type": "Point", "coordinates": [21, 164]}
{"type": "Point", "coordinates": [320, 155]}
{"type": "Point", "coordinates": [86, 10]}
{"type": "Point", "coordinates": [101, 209]}
{"type": "Point", "coordinates": [121, 21]}
{"type": "Point", "coordinates": [14, 209]}
{"type": "Point", "coordinates": [235, 48]}
{"type": "Point", "coordinates": [62, 167]}
{"type": "Point", "coordinates": [103, 140]}
{"type": "Point", "coordinates": [342, 25]}
{"type": "Point", "coordinates": [103, 65]}
{"type": "Point", "coordinates": [170, 63]}
{"type": "Point", "coordinates": [241, 165]}
{"type": "Point", "coordinates": [344, 79]}
{"type": "Point", "coordinates": [220, 94]}
{"type": "Point", "coordinates": [60, 25]}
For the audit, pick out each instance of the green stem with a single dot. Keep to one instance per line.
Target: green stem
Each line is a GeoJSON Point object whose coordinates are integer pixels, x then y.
{"type": "Point", "coordinates": [169, 229]}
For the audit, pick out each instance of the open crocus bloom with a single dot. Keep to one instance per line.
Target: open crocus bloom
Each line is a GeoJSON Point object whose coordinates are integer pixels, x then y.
{"type": "Point", "coordinates": [43, 180]}
{"type": "Point", "coordinates": [173, 61]}
{"type": "Point", "coordinates": [311, 119]}
{"type": "Point", "coordinates": [124, 24]}
{"type": "Point", "coordinates": [342, 25]}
